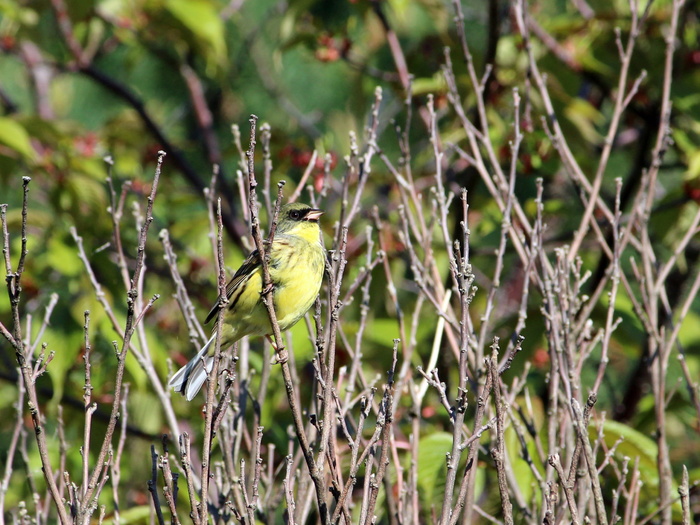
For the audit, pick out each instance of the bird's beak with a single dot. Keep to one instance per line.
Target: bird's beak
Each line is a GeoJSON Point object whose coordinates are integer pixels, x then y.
{"type": "Point", "coordinates": [313, 215]}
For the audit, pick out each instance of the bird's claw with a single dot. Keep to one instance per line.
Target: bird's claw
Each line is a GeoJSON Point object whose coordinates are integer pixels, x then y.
{"type": "Point", "coordinates": [280, 357]}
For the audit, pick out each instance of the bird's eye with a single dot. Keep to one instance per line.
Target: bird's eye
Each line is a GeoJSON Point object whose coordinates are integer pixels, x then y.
{"type": "Point", "coordinates": [295, 214]}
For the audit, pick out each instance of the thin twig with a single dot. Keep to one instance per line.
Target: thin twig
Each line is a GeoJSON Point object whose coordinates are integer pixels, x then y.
{"type": "Point", "coordinates": [282, 355]}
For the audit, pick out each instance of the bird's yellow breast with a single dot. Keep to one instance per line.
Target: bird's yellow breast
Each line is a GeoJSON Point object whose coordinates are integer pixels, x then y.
{"type": "Point", "coordinates": [297, 262]}
{"type": "Point", "coordinates": [296, 269]}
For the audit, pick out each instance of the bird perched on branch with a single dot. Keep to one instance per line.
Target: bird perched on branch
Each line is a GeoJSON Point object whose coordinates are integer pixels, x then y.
{"type": "Point", "coordinates": [296, 262]}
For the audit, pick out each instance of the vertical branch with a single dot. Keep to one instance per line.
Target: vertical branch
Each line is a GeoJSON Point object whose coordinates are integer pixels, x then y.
{"type": "Point", "coordinates": [87, 405]}
{"type": "Point", "coordinates": [12, 447]}
{"type": "Point", "coordinates": [684, 493]}
{"type": "Point", "coordinates": [194, 327]}
{"type": "Point", "coordinates": [257, 469]}
{"type": "Point", "coordinates": [610, 323]}
{"type": "Point", "coordinates": [153, 486]}
{"type": "Point", "coordinates": [465, 500]}
{"type": "Point", "coordinates": [622, 99]}
{"type": "Point", "coordinates": [582, 433]}
{"type": "Point", "coordinates": [15, 282]}
{"type": "Point", "coordinates": [387, 411]}
{"type": "Point", "coordinates": [662, 136]}
{"type": "Point", "coordinates": [282, 355]}
{"type": "Point", "coordinates": [461, 270]}
{"type": "Point", "coordinates": [505, 228]}
{"type": "Point", "coordinates": [555, 462]}
{"type": "Point", "coordinates": [170, 490]}
{"type": "Point", "coordinates": [498, 452]}
{"type": "Point", "coordinates": [186, 463]}
{"type": "Point", "coordinates": [335, 280]}
{"type": "Point", "coordinates": [24, 360]}
{"type": "Point", "coordinates": [131, 322]}
{"type": "Point", "coordinates": [214, 372]}
{"type": "Point", "coordinates": [289, 491]}
{"type": "Point", "coordinates": [658, 352]}
{"type": "Point", "coordinates": [116, 212]}
{"type": "Point", "coordinates": [116, 464]}
{"type": "Point", "coordinates": [356, 459]}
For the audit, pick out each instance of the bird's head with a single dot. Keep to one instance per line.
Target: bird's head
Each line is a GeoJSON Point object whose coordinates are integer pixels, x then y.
{"type": "Point", "coordinates": [298, 216]}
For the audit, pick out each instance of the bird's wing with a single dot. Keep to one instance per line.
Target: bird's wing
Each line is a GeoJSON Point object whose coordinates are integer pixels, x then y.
{"type": "Point", "coordinates": [248, 268]}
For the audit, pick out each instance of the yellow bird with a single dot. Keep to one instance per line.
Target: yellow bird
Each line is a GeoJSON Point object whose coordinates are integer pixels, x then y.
{"type": "Point", "coordinates": [297, 261]}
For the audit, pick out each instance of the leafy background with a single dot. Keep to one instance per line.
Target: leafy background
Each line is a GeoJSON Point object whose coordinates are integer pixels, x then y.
{"type": "Point", "coordinates": [309, 69]}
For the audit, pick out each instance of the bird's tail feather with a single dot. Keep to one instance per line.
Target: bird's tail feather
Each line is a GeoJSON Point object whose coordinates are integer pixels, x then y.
{"type": "Point", "coordinates": [190, 378]}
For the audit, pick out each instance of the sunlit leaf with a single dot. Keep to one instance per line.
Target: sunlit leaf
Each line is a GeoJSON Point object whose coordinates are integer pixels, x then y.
{"type": "Point", "coordinates": [641, 450]}
{"type": "Point", "coordinates": [14, 136]}
{"type": "Point", "coordinates": [383, 331]}
{"type": "Point", "coordinates": [136, 515]}
{"type": "Point", "coordinates": [585, 117]}
{"type": "Point", "coordinates": [435, 84]}
{"type": "Point", "coordinates": [202, 19]}
{"type": "Point", "coordinates": [432, 467]}
{"type": "Point", "coordinates": [630, 443]}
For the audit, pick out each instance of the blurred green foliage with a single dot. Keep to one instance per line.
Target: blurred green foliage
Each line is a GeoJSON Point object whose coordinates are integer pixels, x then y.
{"type": "Point", "coordinates": [309, 68]}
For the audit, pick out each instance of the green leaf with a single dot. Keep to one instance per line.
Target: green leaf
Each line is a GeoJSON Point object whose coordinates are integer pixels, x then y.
{"type": "Point", "coordinates": [62, 258]}
{"type": "Point", "coordinates": [640, 449]}
{"type": "Point", "coordinates": [634, 444]}
{"type": "Point", "coordinates": [203, 20]}
{"type": "Point", "coordinates": [432, 471]}
{"type": "Point", "coordinates": [14, 136]}
{"type": "Point", "coordinates": [586, 117]}
{"type": "Point", "coordinates": [383, 331]}
{"type": "Point", "coordinates": [67, 346]}
{"type": "Point", "coordinates": [432, 468]}
{"type": "Point", "coordinates": [524, 477]}
{"type": "Point", "coordinates": [689, 335]}
{"type": "Point", "coordinates": [434, 84]}
{"type": "Point", "coordinates": [693, 171]}
{"type": "Point", "coordinates": [140, 514]}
